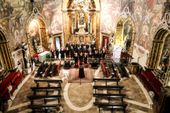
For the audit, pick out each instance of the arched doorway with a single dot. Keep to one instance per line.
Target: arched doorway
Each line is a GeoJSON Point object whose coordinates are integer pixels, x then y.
{"type": "Point", "coordinates": [37, 33]}
{"type": "Point", "coordinates": [5, 54]}
{"type": "Point", "coordinates": [124, 39]}
{"type": "Point", "coordinates": [160, 52]}
{"type": "Point", "coordinates": [125, 34]}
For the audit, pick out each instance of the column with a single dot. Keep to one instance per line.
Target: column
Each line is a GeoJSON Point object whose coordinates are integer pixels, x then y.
{"type": "Point", "coordinates": [6, 56]}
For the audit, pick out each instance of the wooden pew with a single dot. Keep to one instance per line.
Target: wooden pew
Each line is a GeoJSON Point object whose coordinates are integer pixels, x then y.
{"type": "Point", "coordinates": [45, 89]}
{"type": "Point", "coordinates": [53, 71]}
{"type": "Point", "coordinates": [118, 88]}
{"type": "Point", "coordinates": [12, 80]}
{"type": "Point", "coordinates": [44, 97]}
{"type": "Point", "coordinates": [110, 96]}
{"type": "Point", "coordinates": [47, 71]}
{"type": "Point", "coordinates": [111, 106]}
{"type": "Point", "coordinates": [47, 81]}
{"type": "Point", "coordinates": [106, 80]}
{"type": "Point", "coordinates": [44, 108]}
{"type": "Point", "coordinates": [34, 97]}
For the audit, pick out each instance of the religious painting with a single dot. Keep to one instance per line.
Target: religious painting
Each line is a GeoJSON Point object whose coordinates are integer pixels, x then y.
{"type": "Point", "coordinates": [109, 13]}
{"type": "Point", "coordinates": [128, 32]}
{"type": "Point", "coordinates": [17, 28]}
{"type": "Point", "coordinates": [53, 14]}
{"type": "Point", "coordinates": [150, 3]}
{"type": "Point", "coordinates": [81, 17]}
{"type": "Point", "coordinates": [34, 36]}
{"type": "Point", "coordinates": [5, 9]}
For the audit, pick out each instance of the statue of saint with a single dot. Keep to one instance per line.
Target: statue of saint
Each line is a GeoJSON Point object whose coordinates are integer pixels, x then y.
{"type": "Point", "coordinates": [35, 43]}
{"type": "Point", "coordinates": [81, 20]}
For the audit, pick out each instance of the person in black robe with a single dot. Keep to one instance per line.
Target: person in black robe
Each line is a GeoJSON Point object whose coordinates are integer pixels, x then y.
{"type": "Point", "coordinates": [52, 54]}
{"type": "Point", "coordinates": [85, 58]}
{"type": "Point", "coordinates": [57, 53]}
{"type": "Point", "coordinates": [76, 59]}
{"type": "Point", "coordinates": [100, 54]}
{"type": "Point", "coordinates": [81, 56]}
{"type": "Point", "coordinates": [67, 52]}
{"type": "Point", "coordinates": [96, 54]}
{"type": "Point", "coordinates": [72, 52]}
{"type": "Point", "coordinates": [62, 53]}
{"type": "Point", "coordinates": [81, 72]}
{"type": "Point", "coordinates": [103, 53]}
{"type": "Point", "coordinates": [90, 54]}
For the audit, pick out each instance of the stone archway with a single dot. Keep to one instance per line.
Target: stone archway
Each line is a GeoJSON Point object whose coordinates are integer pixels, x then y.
{"type": "Point", "coordinates": [5, 54]}
{"type": "Point", "coordinates": [159, 47]}
{"type": "Point", "coordinates": [125, 34]}
{"type": "Point", "coordinates": [36, 32]}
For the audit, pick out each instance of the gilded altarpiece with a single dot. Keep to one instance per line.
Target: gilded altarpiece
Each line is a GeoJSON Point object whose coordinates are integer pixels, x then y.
{"type": "Point", "coordinates": [81, 21]}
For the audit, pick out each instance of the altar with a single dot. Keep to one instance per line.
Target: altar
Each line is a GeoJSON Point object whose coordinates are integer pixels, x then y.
{"type": "Point", "coordinates": [42, 56]}
{"type": "Point", "coordinates": [82, 38]}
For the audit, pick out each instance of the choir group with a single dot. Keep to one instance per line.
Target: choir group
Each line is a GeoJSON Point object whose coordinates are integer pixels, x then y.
{"type": "Point", "coordinates": [79, 52]}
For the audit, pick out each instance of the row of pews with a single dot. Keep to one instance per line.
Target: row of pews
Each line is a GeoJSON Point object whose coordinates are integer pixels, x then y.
{"type": "Point", "coordinates": [46, 96]}
{"type": "Point", "coordinates": [108, 95]}
{"type": "Point", "coordinates": [48, 70]}
{"type": "Point", "coordinates": [122, 70]}
{"type": "Point", "coordinates": [109, 69]}
{"type": "Point", "coordinates": [3, 75]}
{"type": "Point", "coordinates": [9, 84]}
{"type": "Point", "coordinates": [150, 82]}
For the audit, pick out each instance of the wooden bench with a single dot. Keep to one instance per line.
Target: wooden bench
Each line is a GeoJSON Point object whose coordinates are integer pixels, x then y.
{"type": "Point", "coordinates": [47, 71]}
{"type": "Point", "coordinates": [44, 97]}
{"type": "Point", "coordinates": [122, 70]}
{"type": "Point", "coordinates": [104, 69]}
{"type": "Point", "coordinates": [34, 97]}
{"type": "Point", "coordinates": [12, 80]}
{"type": "Point", "coordinates": [111, 106]}
{"type": "Point", "coordinates": [48, 81]}
{"type": "Point", "coordinates": [106, 80]}
{"type": "Point", "coordinates": [150, 82]}
{"type": "Point", "coordinates": [118, 88]}
{"type": "Point", "coordinates": [44, 108]}
{"type": "Point", "coordinates": [41, 70]}
{"type": "Point", "coordinates": [110, 96]}
{"type": "Point", "coordinates": [54, 70]}
{"type": "Point", "coordinates": [45, 89]}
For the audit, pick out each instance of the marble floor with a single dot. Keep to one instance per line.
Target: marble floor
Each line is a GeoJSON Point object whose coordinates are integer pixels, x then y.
{"type": "Point", "coordinates": [78, 97]}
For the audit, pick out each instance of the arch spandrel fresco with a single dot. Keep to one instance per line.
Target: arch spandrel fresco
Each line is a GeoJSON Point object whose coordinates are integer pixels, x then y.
{"type": "Point", "coordinates": [53, 14]}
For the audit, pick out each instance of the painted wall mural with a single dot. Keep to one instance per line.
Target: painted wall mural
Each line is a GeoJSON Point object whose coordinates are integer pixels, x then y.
{"type": "Point", "coordinates": [110, 10]}
{"type": "Point", "coordinates": [53, 14]}
{"type": "Point", "coordinates": [5, 9]}
{"type": "Point", "coordinates": [147, 17]}
{"type": "Point", "coordinates": [145, 13]}
{"type": "Point", "coordinates": [13, 17]}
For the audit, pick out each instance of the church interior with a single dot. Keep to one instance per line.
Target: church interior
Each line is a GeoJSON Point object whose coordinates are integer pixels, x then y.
{"type": "Point", "coordinates": [84, 56]}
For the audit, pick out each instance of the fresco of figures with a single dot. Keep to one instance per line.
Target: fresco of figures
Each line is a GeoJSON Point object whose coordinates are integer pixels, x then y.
{"type": "Point", "coordinates": [146, 15]}
{"type": "Point", "coordinates": [53, 14]}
